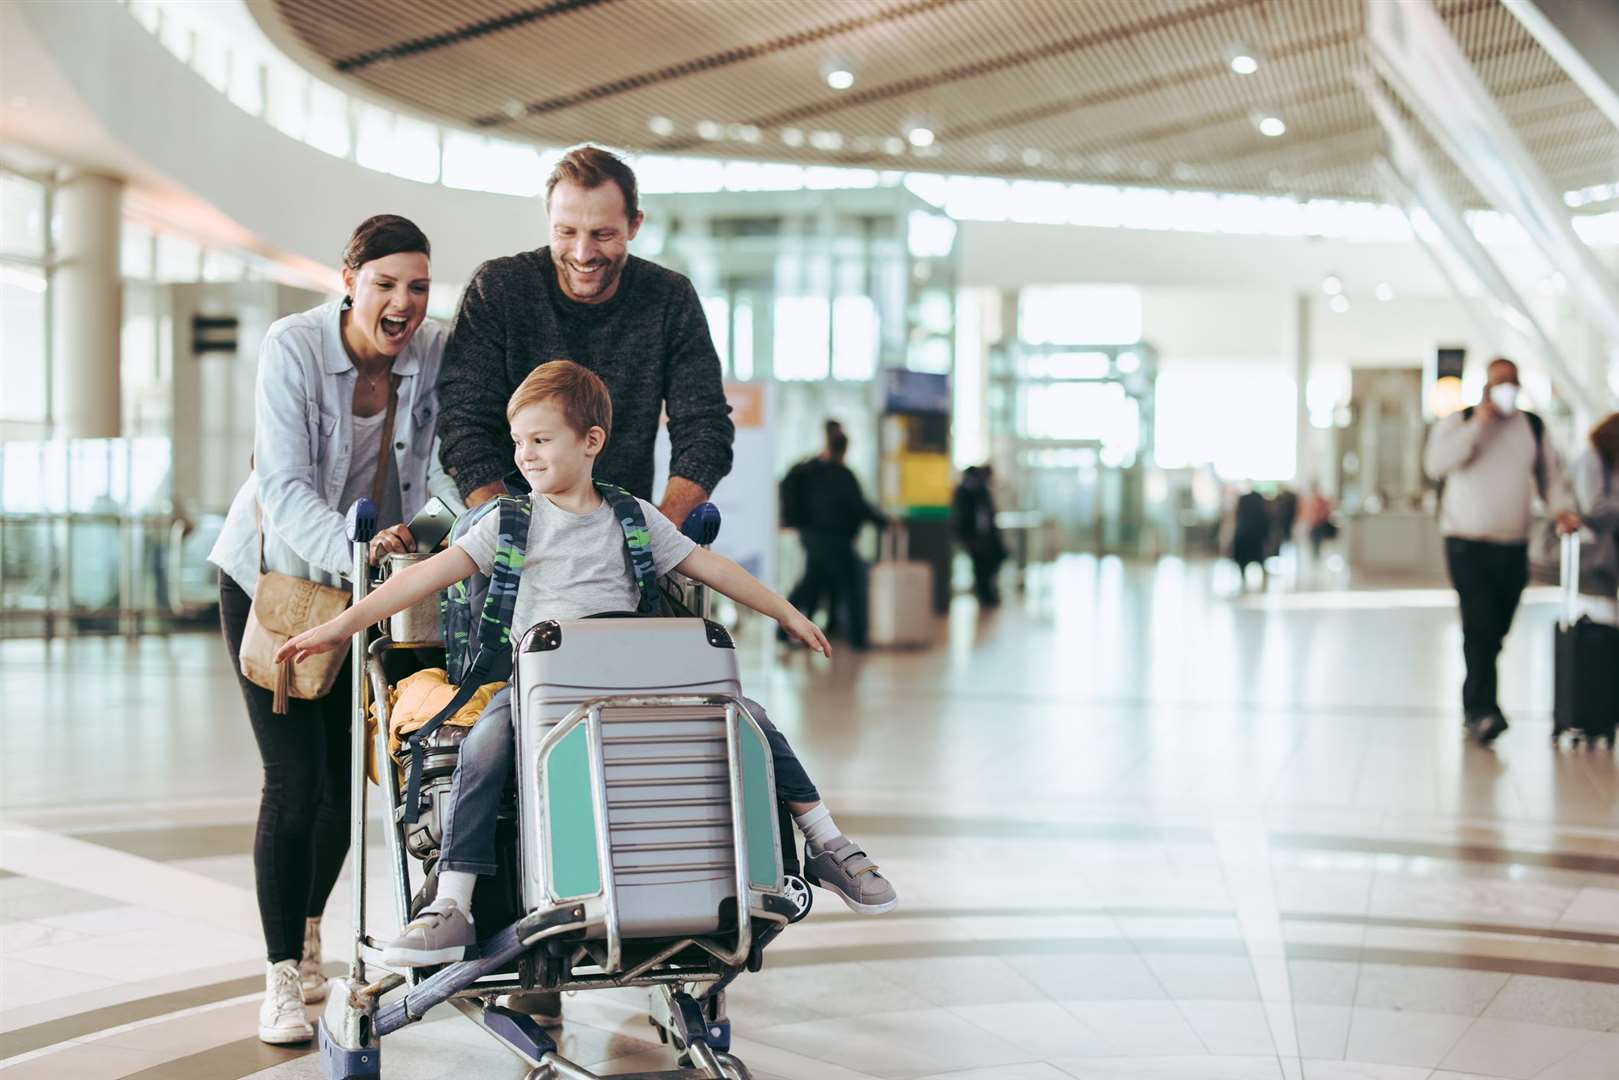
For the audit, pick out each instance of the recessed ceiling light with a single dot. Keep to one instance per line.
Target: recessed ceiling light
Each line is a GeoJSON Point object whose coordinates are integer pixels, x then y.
{"type": "Point", "coordinates": [1243, 59]}
{"type": "Point", "coordinates": [708, 129]}
{"type": "Point", "coordinates": [838, 73]}
{"type": "Point", "coordinates": [919, 135]}
{"type": "Point", "coordinates": [1332, 285]}
{"type": "Point", "coordinates": [1385, 291]}
{"type": "Point", "coordinates": [1272, 126]}
{"type": "Point", "coordinates": [792, 137]}
{"type": "Point", "coordinates": [661, 125]}
{"type": "Point", "coordinates": [1339, 303]}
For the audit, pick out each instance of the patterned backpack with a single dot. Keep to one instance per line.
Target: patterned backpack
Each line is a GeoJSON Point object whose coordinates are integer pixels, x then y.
{"type": "Point", "coordinates": [477, 612]}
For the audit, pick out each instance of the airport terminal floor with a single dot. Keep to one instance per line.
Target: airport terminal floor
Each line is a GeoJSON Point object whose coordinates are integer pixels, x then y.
{"type": "Point", "coordinates": [1140, 827]}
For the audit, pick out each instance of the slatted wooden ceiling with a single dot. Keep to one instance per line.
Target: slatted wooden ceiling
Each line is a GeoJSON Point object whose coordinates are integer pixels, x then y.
{"type": "Point", "coordinates": [1115, 91]}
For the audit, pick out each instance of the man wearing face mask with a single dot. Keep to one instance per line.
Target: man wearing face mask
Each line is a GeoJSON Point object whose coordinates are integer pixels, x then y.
{"type": "Point", "coordinates": [1492, 460]}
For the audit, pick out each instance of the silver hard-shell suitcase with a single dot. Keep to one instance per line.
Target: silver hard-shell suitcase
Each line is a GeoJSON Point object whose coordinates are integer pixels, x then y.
{"type": "Point", "coordinates": [665, 767]}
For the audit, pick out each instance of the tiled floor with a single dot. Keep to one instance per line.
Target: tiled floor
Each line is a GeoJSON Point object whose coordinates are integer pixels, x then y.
{"type": "Point", "coordinates": [1140, 830]}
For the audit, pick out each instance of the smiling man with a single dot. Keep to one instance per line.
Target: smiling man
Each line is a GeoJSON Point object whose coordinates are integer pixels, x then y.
{"type": "Point", "coordinates": [585, 298]}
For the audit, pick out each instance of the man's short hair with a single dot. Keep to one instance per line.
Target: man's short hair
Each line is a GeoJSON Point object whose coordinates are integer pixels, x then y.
{"type": "Point", "coordinates": [590, 167]}
{"type": "Point", "coordinates": [577, 391]}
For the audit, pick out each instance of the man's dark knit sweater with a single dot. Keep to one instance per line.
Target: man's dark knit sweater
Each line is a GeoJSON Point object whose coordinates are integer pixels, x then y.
{"type": "Point", "coordinates": [649, 343]}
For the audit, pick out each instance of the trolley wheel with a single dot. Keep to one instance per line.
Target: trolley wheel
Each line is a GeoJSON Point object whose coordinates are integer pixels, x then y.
{"type": "Point", "coordinates": [798, 891]}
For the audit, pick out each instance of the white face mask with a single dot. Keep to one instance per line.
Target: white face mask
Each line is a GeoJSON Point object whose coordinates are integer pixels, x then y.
{"type": "Point", "coordinates": [1504, 396]}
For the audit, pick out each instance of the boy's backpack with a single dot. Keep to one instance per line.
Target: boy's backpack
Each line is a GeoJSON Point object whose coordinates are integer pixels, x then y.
{"type": "Point", "coordinates": [477, 612]}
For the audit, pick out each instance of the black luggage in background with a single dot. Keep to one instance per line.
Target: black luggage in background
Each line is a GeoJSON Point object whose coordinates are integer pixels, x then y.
{"type": "Point", "coordinates": [1586, 702]}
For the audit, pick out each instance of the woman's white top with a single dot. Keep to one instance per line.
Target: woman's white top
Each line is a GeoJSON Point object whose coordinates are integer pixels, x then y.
{"type": "Point", "coordinates": [308, 446]}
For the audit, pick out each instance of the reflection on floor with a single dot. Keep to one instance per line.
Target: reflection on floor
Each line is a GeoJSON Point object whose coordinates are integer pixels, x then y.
{"type": "Point", "coordinates": [1139, 830]}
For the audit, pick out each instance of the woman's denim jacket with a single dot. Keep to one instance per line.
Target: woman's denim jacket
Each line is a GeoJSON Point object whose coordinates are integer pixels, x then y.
{"type": "Point", "coordinates": [302, 442]}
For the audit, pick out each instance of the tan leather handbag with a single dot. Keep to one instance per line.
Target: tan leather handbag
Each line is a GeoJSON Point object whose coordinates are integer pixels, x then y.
{"type": "Point", "coordinates": [284, 606]}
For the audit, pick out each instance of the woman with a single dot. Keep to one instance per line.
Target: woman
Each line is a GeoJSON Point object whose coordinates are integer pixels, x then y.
{"type": "Point", "coordinates": [324, 381]}
{"type": "Point", "coordinates": [1596, 490]}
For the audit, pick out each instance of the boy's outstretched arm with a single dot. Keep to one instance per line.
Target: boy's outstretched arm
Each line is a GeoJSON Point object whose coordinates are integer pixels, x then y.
{"type": "Point", "coordinates": [400, 591]}
{"type": "Point", "coordinates": [725, 576]}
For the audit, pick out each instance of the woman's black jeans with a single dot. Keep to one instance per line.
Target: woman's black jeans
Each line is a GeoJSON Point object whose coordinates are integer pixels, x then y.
{"type": "Point", "coordinates": [303, 830]}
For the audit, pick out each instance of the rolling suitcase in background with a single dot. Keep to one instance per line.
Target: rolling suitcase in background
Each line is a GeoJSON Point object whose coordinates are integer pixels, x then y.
{"type": "Point", "coordinates": [1586, 688]}
{"type": "Point", "coordinates": [901, 611]}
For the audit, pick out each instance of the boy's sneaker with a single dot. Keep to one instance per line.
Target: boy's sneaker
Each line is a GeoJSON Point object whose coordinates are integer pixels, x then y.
{"type": "Point", "coordinates": [309, 973]}
{"type": "Point", "coordinates": [847, 871]}
{"type": "Point", "coordinates": [441, 934]}
{"type": "Point", "coordinates": [281, 1016]}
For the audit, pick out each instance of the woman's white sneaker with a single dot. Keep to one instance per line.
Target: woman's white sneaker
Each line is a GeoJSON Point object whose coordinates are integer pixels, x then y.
{"type": "Point", "coordinates": [309, 973]}
{"type": "Point", "coordinates": [281, 1017]}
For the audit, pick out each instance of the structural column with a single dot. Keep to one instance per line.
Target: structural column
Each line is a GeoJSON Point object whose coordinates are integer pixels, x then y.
{"type": "Point", "coordinates": [1304, 466]}
{"type": "Point", "coordinates": [87, 307]}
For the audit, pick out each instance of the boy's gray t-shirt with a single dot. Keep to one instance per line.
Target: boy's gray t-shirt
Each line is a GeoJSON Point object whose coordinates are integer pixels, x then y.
{"type": "Point", "coordinates": [574, 563]}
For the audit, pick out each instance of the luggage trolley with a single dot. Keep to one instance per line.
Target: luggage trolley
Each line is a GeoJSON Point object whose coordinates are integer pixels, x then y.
{"type": "Point", "coordinates": [647, 849]}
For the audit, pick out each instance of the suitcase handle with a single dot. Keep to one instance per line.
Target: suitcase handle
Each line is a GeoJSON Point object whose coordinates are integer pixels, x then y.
{"type": "Point", "coordinates": [893, 545]}
{"type": "Point", "coordinates": [1568, 573]}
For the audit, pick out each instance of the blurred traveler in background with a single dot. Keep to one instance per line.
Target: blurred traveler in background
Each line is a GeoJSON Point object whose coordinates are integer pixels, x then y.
{"type": "Point", "coordinates": [331, 382]}
{"type": "Point", "coordinates": [1491, 461]}
{"type": "Point", "coordinates": [823, 500]}
{"type": "Point", "coordinates": [1317, 516]}
{"type": "Point", "coordinates": [1284, 509]}
{"type": "Point", "coordinates": [1596, 491]}
{"type": "Point", "coordinates": [1250, 533]}
{"type": "Point", "coordinates": [973, 510]}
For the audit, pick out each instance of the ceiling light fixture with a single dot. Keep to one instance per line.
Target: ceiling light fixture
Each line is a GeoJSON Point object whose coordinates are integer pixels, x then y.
{"type": "Point", "coordinates": [661, 125]}
{"type": "Point", "coordinates": [919, 133]}
{"type": "Point", "coordinates": [1332, 285]}
{"type": "Point", "coordinates": [1385, 291]}
{"type": "Point", "coordinates": [1272, 126]}
{"type": "Point", "coordinates": [1339, 303]}
{"type": "Point", "coordinates": [1243, 60]}
{"type": "Point", "coordinates": [838, 73]}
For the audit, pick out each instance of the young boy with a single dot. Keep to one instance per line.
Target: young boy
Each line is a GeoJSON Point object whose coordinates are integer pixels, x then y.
{"type": "Point", "coordinates": [560, 419]}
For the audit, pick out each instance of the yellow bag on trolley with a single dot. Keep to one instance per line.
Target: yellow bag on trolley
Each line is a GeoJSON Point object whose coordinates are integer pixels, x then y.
{"type": "Point", "coordinates": [415, 700]}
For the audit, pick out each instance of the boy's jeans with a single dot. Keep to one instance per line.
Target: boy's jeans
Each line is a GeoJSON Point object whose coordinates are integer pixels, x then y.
{"type": "Point", "coordinates": [487, 759]}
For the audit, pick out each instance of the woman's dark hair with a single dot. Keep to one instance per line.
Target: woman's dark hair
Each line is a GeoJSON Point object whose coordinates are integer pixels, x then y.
{"type": "Point", "coordinates": [383, 235]}
{"type": "Point", "coordinates": [1605, 438]}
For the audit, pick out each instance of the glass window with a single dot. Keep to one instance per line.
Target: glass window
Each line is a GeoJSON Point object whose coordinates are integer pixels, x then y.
{"type": "Point", "coordinates": [718, 310]}
{"type": "Point", "coordinates": [800, 338]}
{"type": "Point", "coordinates": [178, 259]}
{"type": "Point", "coordinates": [328, 125]}
{"type": "Point", "coordinates": [135, 251]}
{"type": "Point", "coordinates": [1079, 314]}
{"type": "Point", "coordinates": [22, 313]}
{"type": "Point", "coordinates": [22, 216]}
{"type": "Point", "coordinates": [247, 83]}
{"type": "Point", "coordinates": [1195, 420]}
{"type": "Point", "coordinates": [287, 92]}
{"type": "Point", "coordinates": [854, 338]}
{"type": "Point", "coordinates": [475, 163]}
{"type": "Point", "coordinates": [742, 353]}
{"type": "Point", "coordinates": [395, 144]}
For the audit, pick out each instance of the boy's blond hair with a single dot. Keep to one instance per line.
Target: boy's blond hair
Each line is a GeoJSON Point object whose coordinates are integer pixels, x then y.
{"type": "Point", "coordinates": [578, 392]}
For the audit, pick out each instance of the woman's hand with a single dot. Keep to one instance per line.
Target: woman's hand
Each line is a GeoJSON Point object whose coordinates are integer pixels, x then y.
{"type": "Point", "coordinates": [796, 625]}
{"type": "Point", "coordinates": [329, 635]}
{"type": "Point", "coordinates": [394, 540]}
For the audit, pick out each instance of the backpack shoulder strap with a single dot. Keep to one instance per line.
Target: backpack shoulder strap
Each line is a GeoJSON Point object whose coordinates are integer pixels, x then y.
{"type": "Point", "coordinates": [1537, 427]}
{"type": "Point", "coordinates": [637, 545]}
{"type": "Point", "coordinates": [490, 647]}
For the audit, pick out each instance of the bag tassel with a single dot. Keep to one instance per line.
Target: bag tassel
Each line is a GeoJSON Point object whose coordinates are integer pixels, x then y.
{"type": "Point", "coordinates": [283, 688]}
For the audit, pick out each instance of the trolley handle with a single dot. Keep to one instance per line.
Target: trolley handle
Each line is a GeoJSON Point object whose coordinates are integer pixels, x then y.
{"type": "Point", "coordinates": [1568, 572]}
